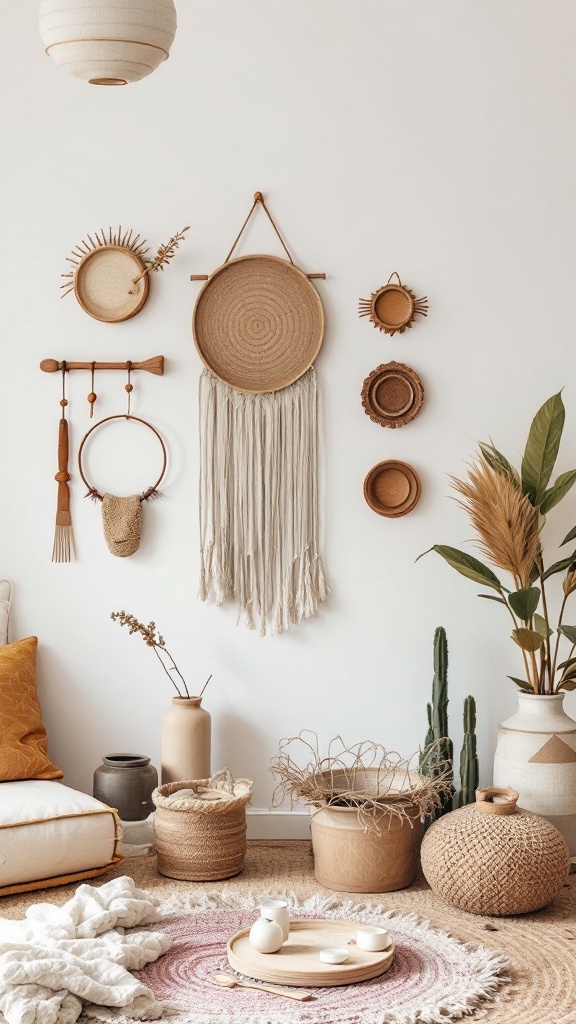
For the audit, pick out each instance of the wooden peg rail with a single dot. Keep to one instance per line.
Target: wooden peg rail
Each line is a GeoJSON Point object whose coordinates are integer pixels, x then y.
{"type": "Point", "coordinates": [153, 365]}
{"type": "Point", "coordinates": [204, 277]}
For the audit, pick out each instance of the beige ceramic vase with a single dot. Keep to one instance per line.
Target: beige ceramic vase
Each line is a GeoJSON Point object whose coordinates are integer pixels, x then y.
{"type": "Point", "coordinates": [536, 756]}
{"type": "Point", "coordinates": [185, 741]}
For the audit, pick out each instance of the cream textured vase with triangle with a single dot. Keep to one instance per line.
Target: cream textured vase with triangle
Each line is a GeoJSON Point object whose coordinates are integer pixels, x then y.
{"type": "Point", "coordinates": [185, 741]}
{"type": "Point", "coordinates": [536, 755]}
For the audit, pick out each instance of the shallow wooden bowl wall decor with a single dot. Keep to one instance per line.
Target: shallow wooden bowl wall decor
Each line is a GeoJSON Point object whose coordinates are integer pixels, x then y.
{"type": "Point", "coordinates": [392, 395]}
{"type": "Point", "coordinates": [393, 307]}
{"type": "Point", "coordinates": [109, 276]}
{"type": "Point", "coordinates": [392, 488]}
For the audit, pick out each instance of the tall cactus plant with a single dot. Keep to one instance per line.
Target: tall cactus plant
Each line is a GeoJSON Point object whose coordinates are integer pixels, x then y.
{"type": "Point", "coordinates": [468, 756]}
{"type": "Point", "coordinates": [438, 719]}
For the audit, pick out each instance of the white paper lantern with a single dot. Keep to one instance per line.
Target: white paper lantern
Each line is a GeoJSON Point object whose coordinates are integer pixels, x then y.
{"type": "Point", "coordinates": [108, 42]}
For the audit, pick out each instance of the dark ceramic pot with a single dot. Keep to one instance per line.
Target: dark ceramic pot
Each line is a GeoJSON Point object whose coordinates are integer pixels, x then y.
{"type": "Point", "coordinates": [126, 782]}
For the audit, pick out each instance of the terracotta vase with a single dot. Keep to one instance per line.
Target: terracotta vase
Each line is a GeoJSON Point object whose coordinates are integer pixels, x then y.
{"type": "Point", "coordinates": [536, 755]}
{"type": "Point", "coordinates": [348, 858]}
{"type": "Point", "coordinates": [185, 741]}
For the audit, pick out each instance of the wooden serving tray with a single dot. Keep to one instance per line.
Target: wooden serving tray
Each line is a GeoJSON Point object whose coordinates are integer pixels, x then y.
{"type": "Point", "coordinates": [297, 962]}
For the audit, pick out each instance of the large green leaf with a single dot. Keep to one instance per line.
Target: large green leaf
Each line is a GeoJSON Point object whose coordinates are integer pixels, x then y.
{"type": "Point", "coordinates": [564, 563]}
{"type": "Point", "coordinates": [521, 683]}
{"type": "Point", "coordinates": [567, 684]}
{"type": "Point", "coordinates": [555, 494]}
{"type": "Point", "coordinates": [569, 536]}
{"type": "Point", "coordinates": [542, 448]}
{"type": "Point", "coordinates": [527, 639]}
{"type": "Point", "coordinates": [524, 602]}
{"type": "Point", "coordinates": [498, 462]}
{"type": "Point", "coordinates": [565, 664]}
{"type": "Point", "coordinates": [569, 632]}
{"type": "Point", "coordinates": [542, 627]}
{"type": "Point", "coordinates": [467, 565]}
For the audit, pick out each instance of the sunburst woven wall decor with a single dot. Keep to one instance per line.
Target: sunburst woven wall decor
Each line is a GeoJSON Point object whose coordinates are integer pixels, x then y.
{"type": "Point", "coordinates": [110, 273]}
{"type": "Point", "coordinates": [393, 307]}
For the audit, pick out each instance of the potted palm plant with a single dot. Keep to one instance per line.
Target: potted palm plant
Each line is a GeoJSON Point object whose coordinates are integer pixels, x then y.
{"type": "Point", "coordinates": [536, 748]}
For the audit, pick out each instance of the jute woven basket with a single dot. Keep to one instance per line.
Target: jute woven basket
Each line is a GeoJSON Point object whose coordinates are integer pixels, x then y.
{"type": "Point", "coordinates": [493, 858]}
{"type": "Point", "coordinates": [201, 835]}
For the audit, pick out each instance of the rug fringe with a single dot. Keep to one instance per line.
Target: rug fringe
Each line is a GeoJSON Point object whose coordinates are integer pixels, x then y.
{"type": "Point", "coordinates": [488, 966]}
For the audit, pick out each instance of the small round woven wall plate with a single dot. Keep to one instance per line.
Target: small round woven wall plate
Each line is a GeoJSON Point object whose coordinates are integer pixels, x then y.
{"type": "Point", "coordinates": [392, 394]}
{"type": "Point", "coordinates": [393, 307]}
{"type": "Point", "coordinates": [258, 323]}
{"type": "Point", "coordinates": [392, 488]}
{"type": "Point", "coordinates": [104, 284]}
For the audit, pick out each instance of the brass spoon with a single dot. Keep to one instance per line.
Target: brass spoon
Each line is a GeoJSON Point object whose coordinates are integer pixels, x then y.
{"type": "Point", "coordinates": [228, 981]}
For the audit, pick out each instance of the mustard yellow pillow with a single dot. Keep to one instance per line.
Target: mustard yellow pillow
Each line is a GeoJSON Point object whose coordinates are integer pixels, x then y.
{"type": "Point", "coordinates": [23, 753]}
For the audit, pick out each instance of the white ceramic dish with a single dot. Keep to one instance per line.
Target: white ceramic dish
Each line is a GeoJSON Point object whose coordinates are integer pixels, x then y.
{"type": "Point", "coordinates": [333, 956]}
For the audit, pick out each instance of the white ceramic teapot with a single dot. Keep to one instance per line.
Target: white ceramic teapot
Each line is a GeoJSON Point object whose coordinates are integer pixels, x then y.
{"type": "Point", "coordinates": [266, 936]}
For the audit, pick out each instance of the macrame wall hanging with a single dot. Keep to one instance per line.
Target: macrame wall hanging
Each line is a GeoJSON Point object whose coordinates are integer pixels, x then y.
{"type": "Point", "coordinates": [258, 324]}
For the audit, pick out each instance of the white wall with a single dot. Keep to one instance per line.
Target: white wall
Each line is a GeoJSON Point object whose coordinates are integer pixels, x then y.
{"type": "Point", "coordinates": [436, 139]}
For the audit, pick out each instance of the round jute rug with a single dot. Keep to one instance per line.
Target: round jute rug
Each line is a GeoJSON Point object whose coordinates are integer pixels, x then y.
{"type": "Point", "coordinates": [434, 979]}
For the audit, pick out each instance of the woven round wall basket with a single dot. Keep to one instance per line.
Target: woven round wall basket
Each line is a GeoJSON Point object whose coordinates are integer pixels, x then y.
{"type": "Point", "coordinates": [258, 323]}
{"type": "Point", "coordinates": [493, 858]}
{"type": "Point", "coordinates": [200, 827]}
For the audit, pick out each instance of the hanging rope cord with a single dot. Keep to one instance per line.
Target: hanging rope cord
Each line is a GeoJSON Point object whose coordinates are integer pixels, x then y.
{"type": "Point", "coordinates": [259, 200]}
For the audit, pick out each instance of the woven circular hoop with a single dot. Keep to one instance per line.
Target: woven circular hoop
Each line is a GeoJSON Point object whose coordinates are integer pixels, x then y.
{"type": "Point", "coordinates": [493, 858]}
{"type": "Point", "coordinates": [203, 838]}
{"type": "Point", "coordinates": [258, 323]}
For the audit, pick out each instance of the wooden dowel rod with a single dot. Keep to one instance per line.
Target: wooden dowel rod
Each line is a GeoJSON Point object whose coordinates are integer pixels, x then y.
{"type": "Point", "coordinates": [153, 365]}
{"type": "Point", "coordinates": [204, 277]}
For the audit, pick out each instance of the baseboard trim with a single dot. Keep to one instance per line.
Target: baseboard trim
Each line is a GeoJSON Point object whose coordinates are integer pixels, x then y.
{"type": "Point", "coordinates": [265, 824]}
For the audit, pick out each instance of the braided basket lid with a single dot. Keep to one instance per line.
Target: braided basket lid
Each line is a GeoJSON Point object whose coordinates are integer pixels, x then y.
{"type": "Point", "coordinates": [258, 323]}
{"type": "Point", "coordinates": [491, 857]}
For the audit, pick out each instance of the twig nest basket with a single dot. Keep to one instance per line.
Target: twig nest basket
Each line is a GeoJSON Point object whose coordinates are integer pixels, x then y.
{"type": "Point", "coordinates": [493, 858]}
{"type": "Point", "coordinates": [200, 827]}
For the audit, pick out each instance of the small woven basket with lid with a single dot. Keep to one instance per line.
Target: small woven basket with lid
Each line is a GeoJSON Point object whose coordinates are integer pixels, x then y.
{"type": "Point", "coordinates": [200, 827]}
{"type": "Point", "coordinates": [491, 857]}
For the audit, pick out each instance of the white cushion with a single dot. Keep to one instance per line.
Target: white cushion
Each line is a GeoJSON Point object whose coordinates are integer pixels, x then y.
{"type": "Point", "coordinates": [5, 602]}
{"type": "Point", "coordinates": [48, 830]}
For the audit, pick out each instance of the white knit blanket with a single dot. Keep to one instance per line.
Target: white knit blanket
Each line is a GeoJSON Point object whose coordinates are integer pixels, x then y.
{"type": "Point", "coordinates": [60, 962]}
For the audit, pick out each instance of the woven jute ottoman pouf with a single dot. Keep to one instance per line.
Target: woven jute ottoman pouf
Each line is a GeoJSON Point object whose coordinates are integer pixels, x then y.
{"type": "Point", "coordinates": [491, 857]}
{"type": "Point", "coordinates": [200, 827]}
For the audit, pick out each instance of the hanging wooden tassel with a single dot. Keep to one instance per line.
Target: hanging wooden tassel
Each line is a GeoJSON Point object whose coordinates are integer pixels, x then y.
{"type": "Point", "coordinates": [63, 548]}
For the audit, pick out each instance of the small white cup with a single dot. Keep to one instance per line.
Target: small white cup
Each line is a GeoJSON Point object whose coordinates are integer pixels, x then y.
{"type": "Point", "coordinates": [373, 939]}
{"type": "Point", "coordinates": [277, 910]}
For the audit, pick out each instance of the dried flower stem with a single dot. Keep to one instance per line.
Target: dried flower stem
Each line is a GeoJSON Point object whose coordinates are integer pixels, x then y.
{"type": "Point", "coordinates": [163, 256]}
{"type": "Point", "coordinates": [156, 642]}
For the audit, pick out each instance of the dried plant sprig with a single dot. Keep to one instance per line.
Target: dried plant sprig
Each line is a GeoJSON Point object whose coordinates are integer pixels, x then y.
{"type": "Point", "coordinates": [164, 255]}
{"type": "Point", "coordinates": [380, 784]}
{"type": "Point", "coordinates": [504, 518]}
{"type": "Point", "coordinates": [152, 638]}
{"type": "Point", "coordinates": [508, 510]}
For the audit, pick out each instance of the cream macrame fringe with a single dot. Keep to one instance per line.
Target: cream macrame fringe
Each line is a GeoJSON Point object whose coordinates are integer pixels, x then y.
{"type": "Point", "coordinates": [259, 520]}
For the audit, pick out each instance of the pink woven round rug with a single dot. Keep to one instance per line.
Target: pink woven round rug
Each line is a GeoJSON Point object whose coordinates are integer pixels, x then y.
{"type": "Point", "coordinates": [434, 978]}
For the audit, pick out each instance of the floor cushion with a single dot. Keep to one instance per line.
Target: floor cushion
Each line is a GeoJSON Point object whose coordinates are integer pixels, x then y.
{"type": "Point", "coordinates": [51, 835]}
